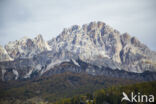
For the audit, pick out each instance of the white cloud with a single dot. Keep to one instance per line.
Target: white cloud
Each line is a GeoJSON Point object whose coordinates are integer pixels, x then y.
{"type": "Point", "coordinates": [31, 17]}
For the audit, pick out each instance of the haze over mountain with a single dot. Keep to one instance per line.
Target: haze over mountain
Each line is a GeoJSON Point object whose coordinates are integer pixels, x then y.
{"type": "Point", "coordinates": [92, 48]}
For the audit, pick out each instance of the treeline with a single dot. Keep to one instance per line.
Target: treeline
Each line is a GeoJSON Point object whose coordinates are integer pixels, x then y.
{"type": "Point", "coordinates": [70, 88]}
{"type": "Point", "coordinates": [55, 87]}
{"type": "Point", "coordinates": [113, 95]}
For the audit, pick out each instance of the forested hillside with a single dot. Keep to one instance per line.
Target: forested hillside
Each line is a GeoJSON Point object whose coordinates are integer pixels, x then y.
{"type": "Point", "coordinates": [113, 95]}
{"type": "Point", "coordinates": [55, 88]}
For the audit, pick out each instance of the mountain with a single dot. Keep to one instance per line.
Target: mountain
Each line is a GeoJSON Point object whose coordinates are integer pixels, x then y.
{"type": "Point", "coordinates": [94, 48]}
{"type": "Point", "coordinates": [41, 66]}
{"type": "Point", "coordinates": [97, 41]}
{"type": "Point", "coordinates": [4, 55]}
{"type": "Point", "coordinates": [26, 47]}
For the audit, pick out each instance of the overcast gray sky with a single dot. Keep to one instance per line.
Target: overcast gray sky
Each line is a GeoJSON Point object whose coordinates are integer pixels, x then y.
{"type": "Point", "coordinates": [20, 18]}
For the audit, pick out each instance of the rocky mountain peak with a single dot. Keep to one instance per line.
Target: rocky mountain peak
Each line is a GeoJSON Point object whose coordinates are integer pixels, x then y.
{"type": "Point", "coordinates": [95, 44]}
{"type": "Point", "coordinates": [26, 47]}
{"type": "Point", "coordinates": [39, 38]}
{"type": "Point", "coordinates": [135, 41]}
{"type": "Point", "coordinates": [99, 39]}
{"type": "Point", "coordinates": [75, 27]}
{"type": "Point", "coordinates": [92, 26]}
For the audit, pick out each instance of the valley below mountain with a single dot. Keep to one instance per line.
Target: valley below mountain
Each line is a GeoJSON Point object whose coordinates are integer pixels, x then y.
{"type": "Point", "coordinates": [56, 87]}
{"type": "Point", "coordinates": [71, 88]}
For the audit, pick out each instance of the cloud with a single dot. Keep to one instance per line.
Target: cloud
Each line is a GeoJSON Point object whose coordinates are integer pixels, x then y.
{"type": "Point", "coordinates": [30, 17]}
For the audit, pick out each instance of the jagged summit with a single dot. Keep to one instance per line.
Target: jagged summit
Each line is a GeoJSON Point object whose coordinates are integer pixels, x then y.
{"type": "Point", "coordinates": [26, 47]}
{"type": "Point", "coordinates": [99, 39]}
{"type": "Point", "coordinates": [39, 38]}
{"type": "Point", "coordinates": [95, 43]}
{"type": "Point", "coordinates": [92, 26]}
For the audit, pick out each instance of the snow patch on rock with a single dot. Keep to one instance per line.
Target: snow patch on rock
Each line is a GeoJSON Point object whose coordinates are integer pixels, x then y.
{"type": "Point", "coordinates": [75, 62]}
{"type": "Point", "coordinates": [50, 66]}
{"type": "Point", "coordinates": [16, 73]}
{"type": "Point", "coordinates": [28, 74]}
{"type": "Point", "coordinates": [3, 73]}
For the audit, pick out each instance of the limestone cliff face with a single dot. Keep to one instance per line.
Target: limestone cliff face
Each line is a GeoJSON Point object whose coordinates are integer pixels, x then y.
{"type": "Point", "coordinates": [97, 45]}
{"type": "Point", "coordinates": [97, 39]}
{"type": "Point", "coordinates": [94, 39]}
{"type": "Point", "coordinates": [26, 47]}
{"type": "Point", "coordinates": [4, 55]}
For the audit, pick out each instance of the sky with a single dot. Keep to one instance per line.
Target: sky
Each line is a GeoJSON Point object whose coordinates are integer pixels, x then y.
{"type": "Point", "coordinates": [19, 18]}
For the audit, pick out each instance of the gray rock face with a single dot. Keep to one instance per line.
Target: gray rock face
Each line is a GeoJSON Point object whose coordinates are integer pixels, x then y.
{"type": "Point", "coordinates": [96, 44]}
{"type": "Point", "coordinates": [33, 68]}
{"type": "Point", "coordinates": [26, 47]}
{"type": "Point", "coordinates": [97, 40]}
{"type": "Point", "coordinates": [4, 55]}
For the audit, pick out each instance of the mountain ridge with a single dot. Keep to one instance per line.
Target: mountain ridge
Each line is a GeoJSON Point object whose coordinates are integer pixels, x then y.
{"type": "Point", "coordinates": [99, 39]}
{"type": "Point", "coordinates": [26, 47]}
{"type": "Point", "coordinates": [95, 43]}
